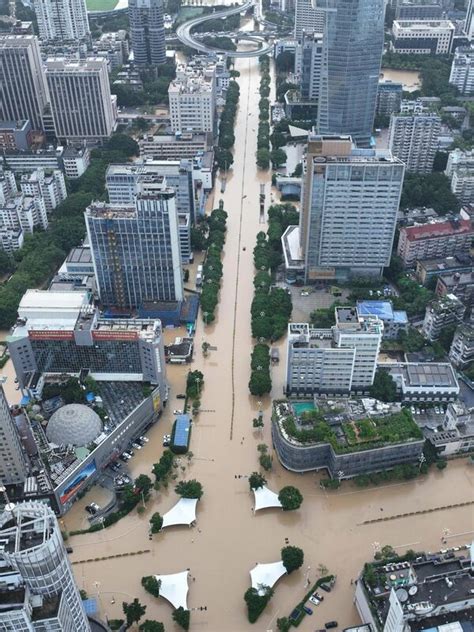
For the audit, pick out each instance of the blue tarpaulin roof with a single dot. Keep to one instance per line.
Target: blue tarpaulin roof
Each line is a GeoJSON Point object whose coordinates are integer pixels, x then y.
{"type": "Point", "coordinates": [181, 433]}
{"type": "Point", "coordinates": [382, 309]}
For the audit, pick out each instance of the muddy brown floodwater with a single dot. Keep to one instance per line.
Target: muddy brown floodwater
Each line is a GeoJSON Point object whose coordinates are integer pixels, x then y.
{"type": "Point", "coordinates": [229, 539]}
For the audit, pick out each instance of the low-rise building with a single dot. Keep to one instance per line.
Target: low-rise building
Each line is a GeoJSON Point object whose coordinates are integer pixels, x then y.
{"type": "Point", "coordinates": [174, 146]}
{"type": "Point", "coordinates": [462, 70]}
{"type": "Point", "coordinates": [75, 161]}
{"type": "Point", "coordinates": [15, 135]}
{"type": "Point", "coordinates": [337, 360]}
{"type": "Point", "coordinates": [332, 436]}
{"type": "Point", "coordinates": [394, 321]}
{"type": "Point", "coordinates": [461, 352]}
{"type": "Point", "coordinates": [445, 311]}
{"type": "Point", "coordinates": [435, 239]}
{"type": "Point", "coordinates": [424, 381]}
{"type": "Point", "coordinates": [460, 284]}
{"type": "Point", "coordinates": [428, 269]}
{"type": "Point", "coordinates": [433, 590]}
{"type": "Point", "coordinates": [422, 37]}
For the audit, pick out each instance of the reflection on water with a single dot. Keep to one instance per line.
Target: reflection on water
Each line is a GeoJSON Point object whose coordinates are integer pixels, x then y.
{"type": "Point", "coordinates": [229, 539]}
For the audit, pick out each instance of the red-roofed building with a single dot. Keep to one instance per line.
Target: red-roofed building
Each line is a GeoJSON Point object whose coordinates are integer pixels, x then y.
{"type": "Point", "coordinates": [439, 239]}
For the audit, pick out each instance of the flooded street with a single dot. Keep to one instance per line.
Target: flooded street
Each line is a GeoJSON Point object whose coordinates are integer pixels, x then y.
{"type": "Point", "coordinates": [228, 539]}
{"type": "Point", "coordinates": [409, 78]}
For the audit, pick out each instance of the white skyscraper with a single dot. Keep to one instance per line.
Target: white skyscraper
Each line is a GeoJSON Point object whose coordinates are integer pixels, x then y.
{"type": "Point", "coordinates": [40, 585]}
{"type": "Point", "coordinates": [62, 20]}
{"type": "Point", "coordinates": [192, 99]}
{"type": "Point", "coordinates": [308, 18]}
{"type": "Point", "coordinates": [81, 103]}
{"type": "Point", "coordinates": [349, 209]}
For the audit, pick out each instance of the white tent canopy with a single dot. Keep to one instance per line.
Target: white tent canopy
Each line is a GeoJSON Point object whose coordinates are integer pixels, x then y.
{"type": "Point", "coordinates": [267, 574]}
{"type": "Point", "coordinates": [265, 498]}
{"type": "Point", "coordinates": [174, 588]}
{"type": "Point", "coordinates": [184, 512]}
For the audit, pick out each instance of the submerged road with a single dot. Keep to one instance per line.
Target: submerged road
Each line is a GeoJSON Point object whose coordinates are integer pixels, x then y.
{"type": "Point", "coordinates": [183, 33]}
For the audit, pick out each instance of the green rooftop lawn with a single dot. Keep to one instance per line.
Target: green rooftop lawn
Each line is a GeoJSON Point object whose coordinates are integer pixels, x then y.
{"type": "Point", "coordinates": [101, 5]}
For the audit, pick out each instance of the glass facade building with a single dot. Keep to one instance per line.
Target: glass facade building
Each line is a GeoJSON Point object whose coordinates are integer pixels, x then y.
{"type": "Point", "coordinates": [353, 46]}
{"type": "Point", "coordinates": [147, 31]}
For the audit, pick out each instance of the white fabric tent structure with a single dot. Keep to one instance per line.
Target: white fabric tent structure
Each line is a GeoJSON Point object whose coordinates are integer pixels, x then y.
{"type": "Point", "coordinates": [267, 574]}
{"type": "Point", "coordinates": [184, 512]}
{"type": "Point", "coordinates": [174, 588]}
{"type": "Point", "coordinates": [265, 498]}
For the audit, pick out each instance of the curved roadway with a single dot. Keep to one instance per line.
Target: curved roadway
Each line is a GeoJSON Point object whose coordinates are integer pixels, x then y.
{"type": "Point", "coordinates": [183, 33]}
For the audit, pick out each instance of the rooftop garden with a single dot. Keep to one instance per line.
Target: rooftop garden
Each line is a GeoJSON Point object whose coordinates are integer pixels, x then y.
{"type": "Point", "coordinates": [363, 434]}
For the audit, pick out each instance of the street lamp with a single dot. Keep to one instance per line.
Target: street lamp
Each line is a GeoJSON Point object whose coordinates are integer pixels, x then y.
{"type": "Point", "coordinates": [307, 582]}
{"type": "Point", "coordinates": [421, 460]}
{"type": "Point", "coordinates": [340, 475]}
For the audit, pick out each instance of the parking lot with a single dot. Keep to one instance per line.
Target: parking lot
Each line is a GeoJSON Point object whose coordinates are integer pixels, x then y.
{"type": "Point", "coordinates": [304, 304]}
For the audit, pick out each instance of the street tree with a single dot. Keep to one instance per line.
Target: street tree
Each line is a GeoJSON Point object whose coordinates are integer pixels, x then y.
{"type": "Point", "coordinates": [151, 585]}
{"type": "Point", "coordinates": [151, 626]}
{"type": "Point", "coordinates": [182, 617]}
{"type": "Point", "coordinates": [257, 480]}
{"type": "Point", "coordinates": [156, 522]}
{"type": "Point", "coordinates": [290, 498]}
{"type": "Point", "coordinates": [292, 558]}
{"type": "Point", "coordinates": [256, 600]}
{"type": "Point", "coordinates": [189, 489]}
{"type": "Point", "coordinates": [133, 611]}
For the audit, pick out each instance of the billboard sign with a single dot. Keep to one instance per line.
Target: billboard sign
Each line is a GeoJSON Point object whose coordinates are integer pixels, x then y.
{"type": "Point", "coordinates": [83, 474]}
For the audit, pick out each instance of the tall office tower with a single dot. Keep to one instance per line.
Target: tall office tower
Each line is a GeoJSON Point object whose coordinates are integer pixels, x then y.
{"type": "Point", "coordinates": [61, 20]}
{"type": "Point", "coordinates": [413, 138]}
{"type": "Point", "coordinates": [308, 59]}
{"type": "Point", "coordinates": [353, 46]}
{"type": "Point", "coordinates": [23, 89]}
{"type": "Point", "coordinates": [462, 70]}
{"type": "Point", "coordinates": [308, 17]}
{"type": "Point", "coordinates": [389, 98]}
{"type": "Point", "coordinates": [147, 31]}
{"type": "Point", "coordinates": [122, 182]}
{"type": "Point", "coordinates": [81, 103]}
{"type": "Point", "coordinates": [469, 23]}
{"type": "Point", "coordinates": [39, 589]}
{"type": "Point", "coordinates": [13, 467]}
{"type": "Point", "coordinates": [336, 360]}
{"type": "Point", "coordinates": [349, 208]}
{"type": "Point", "coordinates": [135, 249]}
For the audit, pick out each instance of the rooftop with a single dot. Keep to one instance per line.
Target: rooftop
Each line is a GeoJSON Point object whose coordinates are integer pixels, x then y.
{"type": "Point", "coordinates": [425, 374]}
{"type": "Point", "coordinates": [438, 229]}
{"type": "Point", "coordinates": [81, 254]}
{"type": "Point", "coordinates": [383, 309]}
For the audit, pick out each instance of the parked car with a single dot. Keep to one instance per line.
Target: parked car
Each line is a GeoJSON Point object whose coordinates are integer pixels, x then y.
{"type": "Point", "coordinates": [318, 596]}
{"type": "Point", "coordinates": [144, 439]}
{"type": "Point", "coordinates": [181, 396]}
{"type": "Point", "coordinates": [177, 412]}
{"type": "Point", "coordinates": [136, 445]}
{"type": "Point", "coordinates": [69, 549]}
{"type": "Point", "coordinates": [326, 587]}
{"type": "Point", "coordinates": [93, 508]}
{"type": "Point", "coordinates": [314, 600]}
{"type": "Point", "coordinates": [126, 455]}
{"type": "Point", "coordinates": [115, 466]}
{"type": "Point", "coordinates": [166, 440]}
{"type": "Point", "coordinates": [330, 624]}
{"type": "Point", "coordinates": [307, 609]}
{"type": "Point", "coordinates": [131, 452]}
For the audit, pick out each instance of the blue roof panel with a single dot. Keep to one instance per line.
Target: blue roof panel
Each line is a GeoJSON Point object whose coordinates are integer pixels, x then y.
{"type": "Point", "coordinates": [382, 309]}
{"type": "Point", "coordinates": [181, 432]}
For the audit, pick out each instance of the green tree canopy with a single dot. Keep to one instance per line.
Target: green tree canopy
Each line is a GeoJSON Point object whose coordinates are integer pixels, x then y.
{"type": "Point", "coordinates": [257, 480]}
{"type": "Point", "coordinates": [151, 585]}
{"type": "Point", "coordinates": [384, 387]}
{"type": "Point", "coordinates": [189, 489]}
{"type": "Point", "coordinates": [290, 498]}
{"type": "Point", "coordinates": [256, 601]}
{"type": "Point", "coordinates": [182, 617]}
{"type": "Point", "coordinates": [156, 522]}
{"type": "Point", "coordinates": [151, 626]}
{"type": "Point", "coordinates": [133, 611]}
{"type": "Point", "coordinates": [292, 558]}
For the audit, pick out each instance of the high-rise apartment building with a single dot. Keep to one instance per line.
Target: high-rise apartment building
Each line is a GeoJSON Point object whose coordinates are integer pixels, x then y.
{"type": "Point", "coordinates": [413, 138]}
{"type": "Point", "coordinates": [192, 99]}
{"type": "Point", "coordinates": [50, 187]}
{"type": "Point", "coordinates": [147, 31]}
{"type": "Point", "coordinates": [349, 209]}
{"type": "Point", "coordinates": [38, 592]}
{"type": "Point", "coordinates": [61, 20]}
{"type": "Point", "coordinates": [353, 46]}
{"type": "Point", "coordinates": [13, 467]}
{"type": "Point", "coordinates": [308, 61]}
{"type": "Point", "coordinates": [81, 103]}
{"type": "Point", "coordinates": [441, 313]}
{"type": "Point", "coordinates": [23, 89]}
{"type": "Point", "coordinates": [462, 70]}
{"type": "Point", "coordinates": [337, 360]}
{"type": "Point", "coordinates": [135, 249]}
{"type": "Point", "coordinates": [308, 17]}
{"type": "Point", "coordinates": [460, 169]}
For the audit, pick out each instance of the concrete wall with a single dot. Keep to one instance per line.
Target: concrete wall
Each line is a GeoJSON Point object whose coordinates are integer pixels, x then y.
{"type": "Point", "coordinates": [305, 458]}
